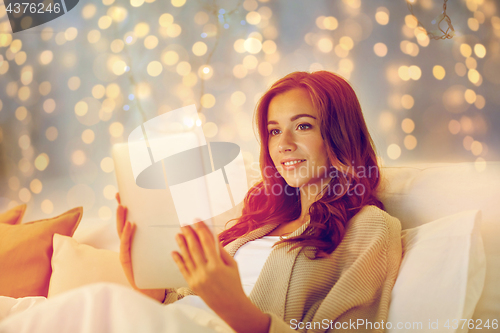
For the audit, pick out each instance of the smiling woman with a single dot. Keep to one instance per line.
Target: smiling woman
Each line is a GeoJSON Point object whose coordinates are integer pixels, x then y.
{"type": "Point", "coordinates": [313, 244]}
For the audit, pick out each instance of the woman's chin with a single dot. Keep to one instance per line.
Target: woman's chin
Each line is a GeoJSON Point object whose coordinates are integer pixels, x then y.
{"type": "Point", "coordinates": [296, 183]}
{"type": "Point", "coordinates": [307, 184]}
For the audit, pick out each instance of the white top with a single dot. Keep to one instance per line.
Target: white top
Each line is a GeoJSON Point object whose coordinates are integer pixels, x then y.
{"type": "Point", "coordinates": [251, 258]}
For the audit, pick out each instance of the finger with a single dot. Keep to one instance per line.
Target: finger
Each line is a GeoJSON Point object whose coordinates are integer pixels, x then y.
{"type": "Point", "coordinates": [185, 253]}
{"type": "Point", "coordinates": [207, 240]}
{"type": "Point", "coordinates": [126, 241]}
{"type": "Point", "coordinates": [121, 217]}
{"type": "Point", "coordinates": [181, 265]}
{"type": "Point", "coordinates": [117, 196]}
{"type": "Point", "coordinates": [193, 243]}
{"type": "Point", "coordinates": [125, 248]}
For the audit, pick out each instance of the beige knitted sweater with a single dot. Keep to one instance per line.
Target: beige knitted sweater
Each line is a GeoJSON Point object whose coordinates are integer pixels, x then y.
{"type": "Point", "coordinates": [330, 294]}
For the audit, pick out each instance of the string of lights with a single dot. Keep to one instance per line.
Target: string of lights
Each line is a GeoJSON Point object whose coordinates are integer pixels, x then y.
{"type": "Point", "coordinates": [219, 15]}
{"type": "Point", "coordinates": [450, 31]}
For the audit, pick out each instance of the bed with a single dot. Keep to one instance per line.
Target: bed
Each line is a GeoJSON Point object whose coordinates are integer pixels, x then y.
{"type": "Point", "coordinates": [448, 280]}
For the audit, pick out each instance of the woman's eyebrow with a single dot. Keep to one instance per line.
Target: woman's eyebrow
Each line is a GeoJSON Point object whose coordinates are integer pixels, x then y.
{"type": "Point", "coordinates": [297, 116]}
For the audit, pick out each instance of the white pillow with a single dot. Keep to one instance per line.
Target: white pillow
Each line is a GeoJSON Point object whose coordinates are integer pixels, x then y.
{"type": "Point", "coordinates": [441, 276]}
{"type": "Point", "coordinates": [421, 193]}
{"type": "Point", "coordinates": [75, 265]}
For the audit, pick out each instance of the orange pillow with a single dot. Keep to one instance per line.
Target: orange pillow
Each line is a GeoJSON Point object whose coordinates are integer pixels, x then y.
{"type": "Point", "coordinates": [13, 216]}
{"type": "Point", "coordinates": [26, 250]}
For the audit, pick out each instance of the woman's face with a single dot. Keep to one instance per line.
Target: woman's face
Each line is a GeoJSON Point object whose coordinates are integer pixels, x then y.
{"type": "Point", "coordinates": [295, 143]}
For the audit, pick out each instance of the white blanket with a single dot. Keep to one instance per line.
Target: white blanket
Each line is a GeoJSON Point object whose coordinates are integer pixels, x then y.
{"type": "Point", "coordinates": [10, 306]}
{"type": "Point", "coordinates": [111, 308]}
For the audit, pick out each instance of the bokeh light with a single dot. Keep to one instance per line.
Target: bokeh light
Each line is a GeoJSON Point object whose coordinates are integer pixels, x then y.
{"type": "Point", "coordinates": [183, 68]}
{"type": "Point", "coordinates": [382, 16]}
{"type": "Point", "coordinates": [480, 50]}
{"type": "Point", "coordinates": [42, 161]}
{"type": "Point", "coordinates": [438, 72]}
{"type": "Point", "coordinates": [150, 42]}
{"type": "Point", "coordinates": [78, 157]}
{"type": "Point", "coordinates": [154, 68]}
{"type": "Point", "coordinates": [407, 125]}
{"type": "Point", "coordinates": [210, 129]}
{"type": "Point", "coordinates": [47, 206]}
{"type": "Point", "coordinates": [325, 45]}
{"type": "Point", "coordinates": [107, 164]}
{"type": "Point", "coordinates": [51, 133]}
{"type": "Point", "coordinates": [238, 98]}
{"type": "Point", "coordinates": [407, 101]}
{"type": "Point", "coordinates": [36, 186]}
{"type": "Point", "coordinates": [410, 142]}
{"type": "Point", "coordinates": [105, 212]}
{"type": "Point", "coordinates": [465, 50]}
{"type": "Point", "coordinates": [393, 151]}
{"type": "Point", "coordinates": [380, 49]}
{"type": "Point", "coordinates": [208, 101]}
{"type": "Point", "coordinates": [199, 48]}
{"type": "Point", "coordinates": [74, 83]}
{"type": "Point", "coordinates": [252, 45]}
{"type": "Point", "coordinates": [109, 192]}
{"type": "Point", "coordinates": [49, 105]}
{"type": "Point", "coordinates": [170, 58]}
{"type": "Point", "coordinates": [88, 136]}
{"type": "Point", "coordinates": [116, 129]}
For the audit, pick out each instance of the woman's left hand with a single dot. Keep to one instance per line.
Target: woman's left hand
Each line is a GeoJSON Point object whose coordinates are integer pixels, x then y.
{"type": "Point", "coordinates": [213, 275]}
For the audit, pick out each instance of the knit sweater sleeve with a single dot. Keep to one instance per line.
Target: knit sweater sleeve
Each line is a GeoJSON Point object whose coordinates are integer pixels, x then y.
{"type": "Point", "coordinates": [278, 325]}
{"type": "Point", "coordinates": [172, 294]}
{"type": "Point", "coordinates": [363, 291]}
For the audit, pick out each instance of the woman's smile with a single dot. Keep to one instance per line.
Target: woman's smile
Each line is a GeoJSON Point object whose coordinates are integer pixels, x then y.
{"type": "Point", "coordinates": [291, 164]}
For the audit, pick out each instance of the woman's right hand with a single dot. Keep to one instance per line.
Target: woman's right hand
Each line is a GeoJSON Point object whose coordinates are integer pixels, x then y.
{"type": "Point", "coordinates": [126, 232]}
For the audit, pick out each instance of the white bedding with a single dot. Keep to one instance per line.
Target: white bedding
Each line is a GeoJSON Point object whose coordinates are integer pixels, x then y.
{"type": "Point", "coordinates": [10, 306]}
{"type": "Point", "coordinates": [104, 307]}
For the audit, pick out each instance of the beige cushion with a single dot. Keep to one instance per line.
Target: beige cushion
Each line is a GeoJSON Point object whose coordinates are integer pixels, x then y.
{"type": "Point", "coordinates": [75, 265]}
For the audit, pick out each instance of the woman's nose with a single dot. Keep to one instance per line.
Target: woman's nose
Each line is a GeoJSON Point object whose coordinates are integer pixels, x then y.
{"type": "Point", "coordinates": [287, 142]}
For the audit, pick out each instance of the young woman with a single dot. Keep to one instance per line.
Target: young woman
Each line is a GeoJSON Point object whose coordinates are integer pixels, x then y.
{"type": "Point", "coordinates": [313, 249]}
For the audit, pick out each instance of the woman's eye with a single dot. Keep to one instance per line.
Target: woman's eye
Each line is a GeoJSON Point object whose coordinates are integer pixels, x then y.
{"type": "Point", "coordinates": [273, 132]}
{"type": "Point", "coordinates": [304, 126]}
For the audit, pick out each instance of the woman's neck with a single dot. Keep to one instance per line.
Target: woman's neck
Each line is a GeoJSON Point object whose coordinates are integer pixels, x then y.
{"type": "Point", "coordinates": [308, 195]}
{"type": "Point", "coordinates": [305, 201]}
{"type": "Point", "coordinates": [307, 198]}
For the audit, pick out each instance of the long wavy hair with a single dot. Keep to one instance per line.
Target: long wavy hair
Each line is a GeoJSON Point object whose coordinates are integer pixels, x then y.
{"type": "Point", "coordinates": [354, 169]}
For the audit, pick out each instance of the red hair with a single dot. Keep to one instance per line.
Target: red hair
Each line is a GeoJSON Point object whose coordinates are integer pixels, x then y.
{"type": "Point", "coordinates": [350, 151]}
